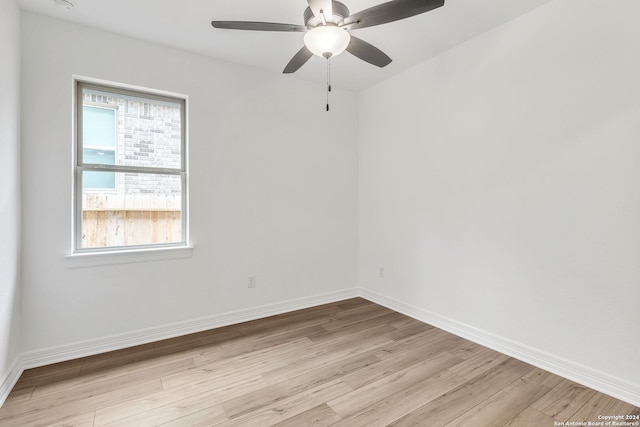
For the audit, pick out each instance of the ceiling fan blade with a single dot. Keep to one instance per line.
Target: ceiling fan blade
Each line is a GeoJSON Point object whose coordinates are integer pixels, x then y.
{"type": "Point", "coordinates": [368, 52]}
{"type": "Point", "coordinates": [298, 60]}
{"type": "Point", "coordinates": [257, 26]}
{"type": "Point", "coordinates": [326, 6]}
{"type": "Point", "coordinates": [389, 12]}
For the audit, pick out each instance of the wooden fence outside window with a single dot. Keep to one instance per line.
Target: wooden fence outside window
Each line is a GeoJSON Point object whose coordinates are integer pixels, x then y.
{"type": "Point", "coordinates": [119, 220]}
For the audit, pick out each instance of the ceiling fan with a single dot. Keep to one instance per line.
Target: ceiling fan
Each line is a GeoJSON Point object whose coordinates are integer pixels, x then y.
{"type": "Point", "coordinates": [328, 25]}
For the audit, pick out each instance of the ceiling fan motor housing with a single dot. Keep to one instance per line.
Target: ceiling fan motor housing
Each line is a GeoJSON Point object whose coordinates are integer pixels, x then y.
{"type": "Point", "coordinates": [340, 11]}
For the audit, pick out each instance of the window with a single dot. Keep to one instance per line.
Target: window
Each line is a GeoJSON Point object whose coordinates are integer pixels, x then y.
{"type": "Point", "coordinates": [130, 169]}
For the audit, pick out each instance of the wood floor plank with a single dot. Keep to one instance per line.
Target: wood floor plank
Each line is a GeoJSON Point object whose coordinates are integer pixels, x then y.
{"type": "Point", "coordinates": [19, 395]}
{"type": "Point", "coordinates": [65, 393]}
{"type": "Point", "coordinates": [600, 404]}
{"type": "Point", "coordinates": [361, 322]}
{"type": "Point", "coordinates": [46, 412]}
{"type": "Point", "coordinates": [219, 375]}
{"type": "Point", "coordinates": [500, 408]}
{"type": "Point", "coordinates": [263, 327]}
{"type": "Point", "coordinates": [113, 379]}
{"type": "Point", "coordinates": [360, 398]}
{"type": "Point", "coordinates": [417, 340]}
{"type": "Point", "coordinates": [343, 347]}
{"type": "Point", "coordinates": [360, 329]}
{"type": "Point", "coordinates": [173, 413]}
{"type": "Point", "coordinates": [345, 363]}
{"type": "Point", "coordinates": [353, 303]}
{"type": "Point", "coordinates": [544, 377]}
{"type": "Point", "coordinates": [85, 420]}
{"type": "Point", "coordinates": [296, 384]}
{"type": "Point", "coordinates": [246, 344]}
{"type": "Point", "coordinates": [187, 345]}
{"type": "Point", "coordinates": [456, 402]}
{"type": "Point", "coordinates": [326, 360]}
{"type": "Point", "coordinates": [140, 359]}
{"type": "Point", "coordinates": [564, 400]}
{"type": "Point", "coordinates": [221, 357]}
{"type": "Point", "coordinates": [479, 363]}
{"type": "Point", "coordinates": [206, 418]}
{"type": "Point", "coordinates": [392, 365]}
{"type": "Point", "coordinates": [366, 310]}
{"type": "Point", "coordinates": [403, 402]}
{"type": "Point", "coordinates": [187, 394]}
{"type": "Point", "coordinates": [292, 406]}
{"type": "Point", "coordinates": [531, 418]}
{"type": "Point", "coordinates": [466, 349]}
{"type": "Point", "coordinates": [407, 330]}
{"type": "Point", "coordinates": [320, 313]}
{"type": "Point", "coordinates": [49, 374]}
{"type": "Point", "coordinates": [409, 321]}
{"type": "Point", "coordinates": [321, 415]}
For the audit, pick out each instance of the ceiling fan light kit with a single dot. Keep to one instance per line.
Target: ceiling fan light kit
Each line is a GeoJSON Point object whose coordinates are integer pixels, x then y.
{"type": "Point", "coordinates": [328, 26]}
{"type": "Point", "coordinates": [327, 40]}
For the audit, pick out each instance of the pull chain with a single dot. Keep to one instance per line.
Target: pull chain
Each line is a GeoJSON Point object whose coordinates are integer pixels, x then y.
{"type": "Point", "coordinates": [328, 56]}
{"type": "Point", "coordinates": [328, 80]}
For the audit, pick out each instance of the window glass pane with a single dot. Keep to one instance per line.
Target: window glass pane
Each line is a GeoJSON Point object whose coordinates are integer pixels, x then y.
{"type": "Point", "coordinates": [99, 180]}
{"type": "Point", "coordinates": [99, 156]}
{"type": "Point", "coordinates": [98, 127]}
{"type": "Point", "coordinates": [146, 209]}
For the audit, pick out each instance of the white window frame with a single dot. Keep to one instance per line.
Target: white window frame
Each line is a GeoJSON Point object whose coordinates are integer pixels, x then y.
{"type": "Point", "coordinates": [80, 256]}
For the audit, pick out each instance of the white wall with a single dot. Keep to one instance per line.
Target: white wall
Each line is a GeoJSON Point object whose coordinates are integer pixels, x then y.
{"type": "Point", "coordinates": [500, 185]}
{"type": "Point", "coordinates": [9, 188]}
{"type": "Point", "coordinates": [272, 194]}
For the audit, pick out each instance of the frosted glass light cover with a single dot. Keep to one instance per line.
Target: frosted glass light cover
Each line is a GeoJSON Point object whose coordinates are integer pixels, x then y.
{"type": "Point", "coordinates": [64, 4]}
{"type": "Point", "coordinates": [327, 39]}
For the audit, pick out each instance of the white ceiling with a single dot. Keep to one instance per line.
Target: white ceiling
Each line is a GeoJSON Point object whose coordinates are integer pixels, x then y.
{"type": "Point", "coordinates": [185, 24]}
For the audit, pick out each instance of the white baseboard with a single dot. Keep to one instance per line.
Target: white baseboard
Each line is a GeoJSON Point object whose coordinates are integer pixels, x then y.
{"type": "Point", "coordinates": [9, 379]}
{"type": "Point", "coordinates": [47, 356]}
{"type": "Point", "coordinates": [595, 379]}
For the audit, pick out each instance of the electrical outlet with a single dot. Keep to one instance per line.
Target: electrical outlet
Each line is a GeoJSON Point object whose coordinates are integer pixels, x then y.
{"type": "Point", "coordinates": [252, 281]}
{"type": "Point", "coordinates": [381, 272]}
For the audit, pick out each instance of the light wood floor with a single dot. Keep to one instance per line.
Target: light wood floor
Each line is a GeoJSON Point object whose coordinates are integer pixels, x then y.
{"type": "Point", "coordinates": [351, 363]}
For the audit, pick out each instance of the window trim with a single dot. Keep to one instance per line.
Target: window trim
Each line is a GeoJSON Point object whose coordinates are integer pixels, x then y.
{"type": "Point", "coordinates": [128, 256]}
{"type": "Point", "coordinates": [132, 253]}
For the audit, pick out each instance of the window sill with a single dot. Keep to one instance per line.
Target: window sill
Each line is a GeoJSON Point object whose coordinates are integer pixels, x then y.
{"type": "Point", "coordinates": [94, 259]}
